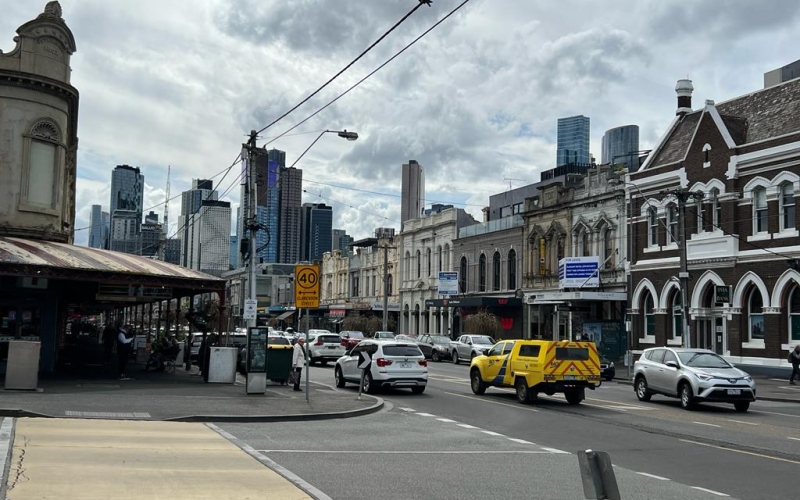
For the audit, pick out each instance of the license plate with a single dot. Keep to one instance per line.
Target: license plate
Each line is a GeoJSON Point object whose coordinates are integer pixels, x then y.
{"type": "Point", "coordinates": [570, 377]}
{"type": "Point", "coordinates": [734, 392]}
{"type": "Point", "coordinates": [333, 347]}
{"type": "Point", "coordinates": [406, 365]}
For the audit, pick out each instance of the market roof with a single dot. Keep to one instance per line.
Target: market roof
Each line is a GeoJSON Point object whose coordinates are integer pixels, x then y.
{"type": "Point", "coordinates": [22, 257]}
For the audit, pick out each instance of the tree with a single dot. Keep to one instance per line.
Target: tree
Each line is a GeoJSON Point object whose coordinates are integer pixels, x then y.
{"type": "Point", "coordinates": [484, 323]}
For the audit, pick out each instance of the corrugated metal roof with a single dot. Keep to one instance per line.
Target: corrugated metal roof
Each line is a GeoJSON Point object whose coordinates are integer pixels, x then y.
{"type": "Point", "coordinates": [18, 251]}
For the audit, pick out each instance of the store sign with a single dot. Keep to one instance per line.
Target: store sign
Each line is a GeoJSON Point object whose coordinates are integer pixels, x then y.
{"type": "Point", "coordinates": [448, 283]}
{"type": "Point", "coordinates": [722, 294]}
{"type": "Point", "coordinates": [337, 313]}
{"type": "Point", "coordinates": [391, 306]}
{"type": "Point", "coordinates": [579, 272]}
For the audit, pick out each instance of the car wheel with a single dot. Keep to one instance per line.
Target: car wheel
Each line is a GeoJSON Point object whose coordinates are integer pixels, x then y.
{"type": "Point", "coordinates": [524, 394]}
{"type": "Point", "coordinates": [741, 406]}
{"type": "Point", "coordinates": [455, 357]}
{"type": "Point", "coordinates": [367, 387]}
{"type": "Point", "coordinates": [642, 392]}
{"type": "Point", "coordinates": [687, 396]}
{"type": "Point", "coordinates": [472, 355]}
{"type": "Point", "coordinates": [338, 376]}
{"type": "Point", "coordinates": [418, 390]}
{"type": "Point", "coordinates": [476, 382]}
{"type": "Point", "coordinates": [435, 356]}
{"type": "Point", "coordinates": [574, 396]}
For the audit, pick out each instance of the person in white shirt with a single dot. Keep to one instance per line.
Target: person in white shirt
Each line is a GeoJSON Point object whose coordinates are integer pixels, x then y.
{"type": "Point", "coordinates": [123, 350]}
{"type": "Point", "coordinates": [298, 360]}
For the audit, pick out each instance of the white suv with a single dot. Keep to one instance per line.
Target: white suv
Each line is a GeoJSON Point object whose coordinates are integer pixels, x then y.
{"type": "Point", "coordinates": [324, 347]}
{"type": "Point", "coordinates": [394, 364]}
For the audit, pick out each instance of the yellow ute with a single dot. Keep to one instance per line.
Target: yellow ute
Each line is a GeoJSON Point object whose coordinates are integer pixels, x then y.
{"type": "Point", "coordinates": [534, 366]}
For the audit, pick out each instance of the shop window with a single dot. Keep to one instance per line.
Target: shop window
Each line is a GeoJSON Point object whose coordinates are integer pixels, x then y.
{"type": "Point", "coordinates": [482, 273]}
{"type": "Point", "coordinates": [496, 271]}
{"type": "Point", "coordinates": [794, 316]}
{"type": "Point", "coordinates": [760, 212]}
{"type": "Point", "coordinates": [512, 270]}
{"type": "Point", "coordinates": [787, 206]}
{"type": "Point", "coordinates": [755, 315]}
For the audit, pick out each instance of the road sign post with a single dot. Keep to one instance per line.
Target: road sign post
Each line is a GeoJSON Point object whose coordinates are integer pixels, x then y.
{"type": "Point", "coordinates": [363, 363]}
{"type": "Point", "coordinates": [306, 296]}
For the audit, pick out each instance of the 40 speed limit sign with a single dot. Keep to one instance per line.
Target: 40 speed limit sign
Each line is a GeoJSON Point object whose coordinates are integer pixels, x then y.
{"type": "Point", "coordinates": [306, 287]}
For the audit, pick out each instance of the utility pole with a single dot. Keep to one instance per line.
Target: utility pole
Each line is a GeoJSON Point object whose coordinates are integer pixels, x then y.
{"type": "Point", "coordinates": [251, 219]}
{"type": "Point", "coordinates": [682, 195]}
{"type": "Point", "coordinates": [385, 286]}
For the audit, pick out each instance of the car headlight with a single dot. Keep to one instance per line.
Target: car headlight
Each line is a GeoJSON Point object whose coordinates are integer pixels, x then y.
{"type": "Point", "coordinates": [704, 376]}
{"type": "Point", "coordinates": [611, 365]}
{"type": "Point", "coordinates": [748, 379]}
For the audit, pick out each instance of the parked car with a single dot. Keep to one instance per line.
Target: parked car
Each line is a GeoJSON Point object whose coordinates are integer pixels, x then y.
{"type": "Point", "coordinates": [434, 347]}
{"type": "Point", "coordinates": [406, 338]}
{"type": "Point", "coordinates": [693, 376]}
{"type": "Point", "coordinates": [394, 364]}
{"type": "Point", "coordinates": [384, 335]}
{"type": "Point", "coordinates": [324, 347]}
{"type": "Point", "coordinates": [351, 338]}
{"type": "Point", "coordinates": [608, 372]}
{"type": "Point", "coordinates": [468, 346]}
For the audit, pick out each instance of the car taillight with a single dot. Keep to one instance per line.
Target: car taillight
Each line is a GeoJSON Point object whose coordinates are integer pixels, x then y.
{"type": "Point", "coordinates": [318, 342]}
{"type": "Point", "coordinates": [383, 362]}
{"type": "Point", "coordinates": [423, 362]}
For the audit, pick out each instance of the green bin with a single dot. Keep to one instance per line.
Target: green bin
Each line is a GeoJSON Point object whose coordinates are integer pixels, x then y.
{"type": "Point", "coordinates": [279, 362]}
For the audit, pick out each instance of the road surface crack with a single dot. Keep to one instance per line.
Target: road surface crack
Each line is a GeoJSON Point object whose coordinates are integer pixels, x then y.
{"type": "Point", "coordinates": [18, 469]}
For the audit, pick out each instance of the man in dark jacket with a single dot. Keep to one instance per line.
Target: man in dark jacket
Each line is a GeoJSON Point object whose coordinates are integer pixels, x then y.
{"type": "Point", "coordinates": [794, 358]}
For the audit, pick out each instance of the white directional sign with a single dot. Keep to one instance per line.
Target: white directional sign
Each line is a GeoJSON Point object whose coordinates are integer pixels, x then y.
{"type": "Point", "coordinates": [364, 360]}
{"type": "Point", "coordinates": [448, 283]}
{"type": "Point", "coordinates": [250, 309]}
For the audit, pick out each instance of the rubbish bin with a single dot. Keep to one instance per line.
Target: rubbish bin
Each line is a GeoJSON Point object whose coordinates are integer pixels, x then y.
{"type": "Point", "coordinates": [279, 362]}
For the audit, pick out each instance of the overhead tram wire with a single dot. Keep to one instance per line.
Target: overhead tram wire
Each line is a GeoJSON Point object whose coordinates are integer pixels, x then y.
{"type": "Point", "coordinates": [348, 205]}
{"type": "Point", "coordinates": [334, 77]}
{"type": "Point", "coordinates": [315, 113]}
{"type": "Point", "coordinates": [393, 195]}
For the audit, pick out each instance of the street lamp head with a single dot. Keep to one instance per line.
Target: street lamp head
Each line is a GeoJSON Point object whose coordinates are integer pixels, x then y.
{"type": "Point", "coordinates": [350, 136]}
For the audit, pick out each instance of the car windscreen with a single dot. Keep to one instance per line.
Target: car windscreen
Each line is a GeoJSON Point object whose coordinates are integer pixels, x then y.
{"type": "Point", "coordinates": [329, 339]}
{"type": "Point", "coordinates": [401, 350]}
{"type": "Point", "coordinates": [440, 339]}
{"type": "Point", "coordinates": [483, 340]}
{"type": "Point", "coordinates": [572, 353]}
{"type": "Point", "coordinates": [702, 360]}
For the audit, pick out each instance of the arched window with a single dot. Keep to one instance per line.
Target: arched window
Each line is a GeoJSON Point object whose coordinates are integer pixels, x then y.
{"type": "Point", "coordinates": [760, 212]}
{"type": "Point", "coordinates": [794, 315]}
{"type": "Point", "coordinates": [408, 265]}
{"type": "Point", "coordinates": [462, 276]}
{"type": "Point", "coordinates": [672, 223]}
{"type": "Point", "coordinates": [677, 316]}
{"type": "Point", "coordinates": [787, 206]}
{"type": "Point", "coordinates": [447, 258]}
{"type": "Point", "coordinates": [419, 264]}
{"type": "Point", "coordinates": [582, 245]}
{"type": "Point", "coordinates": [439, 252]}
{"type": "Point", "coordinates": [482, 273]}
{"type": "Point", "coordinates": [716, 210]}
{"type": "Point", "coordinates": [755, 315]}
{"type": "Point", "coordinates": [496, 271]}
{"type": "Point", "coordinates": [608, 247]}
{"type": "Point", "coordinates": [389, 284]}
{"type": "Point", "coordinates": [429, 262]}
{"type": "Point", "coordinates": [707, 156]}
{"type": "Point", "coordinates": [652, 227]}
{"type": "Point", "coordinates": [43, 142]}
{"type": "Point", "coordinates": [649, 327]}
{"type": "Point", "coordinates": [512, 270]}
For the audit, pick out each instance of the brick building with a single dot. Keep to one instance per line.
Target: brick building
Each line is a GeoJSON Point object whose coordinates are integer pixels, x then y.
{"type": "Point", "coordinates": [743, 157]}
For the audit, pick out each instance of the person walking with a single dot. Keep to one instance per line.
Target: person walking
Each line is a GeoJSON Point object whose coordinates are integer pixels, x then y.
{"type": "Point", "coordinates": [298, 360]}
{"type": "Point", "coordinates": [794, 359]}
{"type": "Point", "coordinates": [124, 340]}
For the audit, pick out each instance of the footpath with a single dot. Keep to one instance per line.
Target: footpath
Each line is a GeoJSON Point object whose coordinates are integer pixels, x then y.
{"type": "Point", "coordinates": [153, 437]}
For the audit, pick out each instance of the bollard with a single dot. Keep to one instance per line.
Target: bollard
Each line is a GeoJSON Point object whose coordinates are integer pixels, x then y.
{"type": "Point", "coordinates": [597, 474]}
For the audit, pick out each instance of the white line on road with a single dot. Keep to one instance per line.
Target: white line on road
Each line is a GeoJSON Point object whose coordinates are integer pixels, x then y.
{"type": "Point", "coordinates": [704, 423]}
{"type": "Point", "coordinates": [555, 450]}
{"type": "Point", "coordinates": [660, 478]}
{"type": "Point", "coordinates": [776, 413]}
{"type": "Point", "coordinates": [520, 441]}
{"type": "Point", "coordinates": [741, 422]}
{"type": "Point", "coordinates": [518, 407]}
{"type": "Point", "coordinates": [408, 409]}
{"type": "Point", "coordinates": [719, 494]}
{"type": "Point", "coordinates": [467, 426]}
{"type": "Point", "coordinates": [425, 414]}
{"type": "Point", "coordinates": [493, 433]}
{"type": "Point", "coordinates": [446, 420]}
{"type": "Point", "coordinates": [739, 451]}
{"type": "Point", "coordinates": [412, 452]}
{"type": "Point", "coordinates": [794, 439]}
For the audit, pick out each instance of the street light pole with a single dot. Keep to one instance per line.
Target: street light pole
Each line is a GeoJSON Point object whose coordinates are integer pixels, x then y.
{"type": "Point", "coordinates": [251, 220]}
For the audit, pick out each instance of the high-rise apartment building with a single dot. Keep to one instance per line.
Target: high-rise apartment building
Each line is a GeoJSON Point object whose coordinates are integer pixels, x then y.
{"type": "Point", "coordinates": [191, 204]}
{"type": "Point", "coordinates": [172, 251]}
{"type": "Point", "coordinates": [127, 199]}
{"type": "Point", "coordinates": [234, 252]}
{"type": "Point", "coordinates": [317, 227]}
{"type": "Point", "coordinates": [277, 156]}
{"type": "Point", "coordinates": [290, 188]}
{"type": "Point", "coordinates": [125, 231]}
{"type": "Point", "coordinates": [100, 224]}
{"type": "Point", "coordinates": [208, 248]}
{"type": "Point", "coordinates": [412, 201]}
{"type": "Point", "coordinates": [150, 236]}
{"type": "Point", "coordinates": [267, 196]}
{"type": "Point", "coordinates": [620, 146]}
{"type": "Point", "coordinates": [573, 140]}
{"type": "Point", "coordinates": [341, 241]}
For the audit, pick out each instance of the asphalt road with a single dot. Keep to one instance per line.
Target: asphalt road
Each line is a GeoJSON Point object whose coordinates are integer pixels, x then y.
{"type": "Point", "coordinates": [449, 443]}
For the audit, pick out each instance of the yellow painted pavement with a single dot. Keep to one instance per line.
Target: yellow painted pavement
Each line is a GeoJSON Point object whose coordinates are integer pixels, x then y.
{"type": "Point", "coordinates": [117, 459]}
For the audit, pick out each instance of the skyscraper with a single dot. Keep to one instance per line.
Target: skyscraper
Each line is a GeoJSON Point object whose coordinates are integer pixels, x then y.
{"type": "Point", "coordinates": [412, 201]}
{"type": "Point", "coordinates": [100, 223]}
{"type": "Point", "coordinates": [209, 239]}
{"type": "Point", "coordinates": [290, 188]}
{"type": "Point", "coordinates": [127, 198]}
{"type": "Point", "coordinates": [341, 241]}
{"type": "Point", "coordinates": [317, 227]}
{"type": "Point", "coordinates": [150, 236]}
{"type": "Point", "coordinates": [573, 140]}
{"type": "Point", "coordinates": [191, 203]}
{"type": "Point", "coordinates": [267, 196]}
{"type": "Point", "coordinates": [621, 146]}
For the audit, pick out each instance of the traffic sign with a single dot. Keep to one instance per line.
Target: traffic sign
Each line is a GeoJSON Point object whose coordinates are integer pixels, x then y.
{"type": "Point", "coordinates": [363, 360]}
{"type": "Point", "coordinates": [306, 287]}
{"type": "Point", "coordinates": [250, 309]}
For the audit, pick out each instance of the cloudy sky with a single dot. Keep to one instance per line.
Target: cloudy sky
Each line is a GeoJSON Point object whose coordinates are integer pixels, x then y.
{"type": "Point", "coordinates": [475, 102]}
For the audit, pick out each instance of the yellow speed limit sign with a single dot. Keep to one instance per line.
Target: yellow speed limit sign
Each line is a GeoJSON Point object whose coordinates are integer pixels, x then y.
{"type": "Point", "coordinates": [306, 287]}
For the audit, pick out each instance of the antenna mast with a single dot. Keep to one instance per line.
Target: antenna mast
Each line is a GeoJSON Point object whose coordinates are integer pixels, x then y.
{"type": "Point", "coordinates": [165, 229]}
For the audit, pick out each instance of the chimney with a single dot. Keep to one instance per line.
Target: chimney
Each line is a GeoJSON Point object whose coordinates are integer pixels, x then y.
{"type": "Point", "coordinates": [485, 211]}
{"type": "Point", "coordinates": [684, 90]}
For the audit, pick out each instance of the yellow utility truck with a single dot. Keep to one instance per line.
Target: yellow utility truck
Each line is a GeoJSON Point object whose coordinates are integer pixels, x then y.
{"type": "Point", "coordinates": [538, 366]}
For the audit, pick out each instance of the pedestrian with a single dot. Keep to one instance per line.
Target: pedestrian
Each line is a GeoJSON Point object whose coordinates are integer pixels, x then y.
{"type": "Point", "coordinates": [298, 360]}
{"type": "Point", "coordinates": [108, 343]}
{"type": "Point", "coordinates": [794, 359]}
{"type": "Point", "coordinates": [124, 340]}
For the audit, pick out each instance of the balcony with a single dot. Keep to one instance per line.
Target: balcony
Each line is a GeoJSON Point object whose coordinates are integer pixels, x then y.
{"type": "Point", "coordinates": [716, 245]}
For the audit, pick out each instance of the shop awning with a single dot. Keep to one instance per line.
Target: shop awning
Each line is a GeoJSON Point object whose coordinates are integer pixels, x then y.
{"type": "Point", "coordinates": [285, 315]}
{"type": "Point", "coordinates": [560, 297]}
{"type": "Point", "coordinates": [475, 302]}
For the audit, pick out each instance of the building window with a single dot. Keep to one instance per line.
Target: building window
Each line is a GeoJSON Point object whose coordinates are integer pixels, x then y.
{"type": "Point", "coordinates": [649, 316]}
{"type": "Point", "coordinates": [677, 316]}
{"type": "Point", "coordinates": [429, 262]}
{"type": "Point", "coordinates": [716, 210]}
{"type": "Point", "coordinates": [755, 315]}
{"type": "Point", "coordinates": [707, 156]}
{"type": "Point", "coordinates": [672, 223]}
{"type": "Point", "coordinates": [698, 207]}
{"type": "Point", "coordinates": [439, 251]}
{"type": "Point", "coordinates": [583, 247]}
{"type": "Point", "coordinates": [355, 285]}
{"type": "Point", "coordinates": [512, 270]}
{"type": "Point", "coordinates": [482, 273]}
{"type": "Point", "coordinates": [794, 315]}
{"type": "Point", "coordinates": [389, 284]}
{"type": "Point", "coordinates": [408, 266]}
{"type": "Point", "coordinates": [330, 289]}
{"type": "Point", "coordinates": [608, 247]}
{"type": "Point", "coordinates": [462, 276]}
{"type": "Point", "coordinates": [496, 271]}
{"type": "Point", "coordinates": [419, 264]}
{"type": "Point", "coordinates": [652, 227]}
{"type": "Point", "coordinates": [43, 162]}
{"type": "Point", "coordinates": [787, 206]}
{"type": "Point", "coordinates": [760, 212]}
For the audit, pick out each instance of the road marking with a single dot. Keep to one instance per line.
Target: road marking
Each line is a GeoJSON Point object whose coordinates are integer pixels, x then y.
{"type": "Point", "coordinates": [467, 426]}
{"type": "Point", "coordinates": [408, 409]}
{"type": "Point", "coordinates": [105, 414]}
{"type": "Point", "coordinates": [493, 433]}
{"type": "Point", "coordinates": [660, 478]}
{"type": "Point", "coordinates": [719, 494]}
{"type": "Point", "coordinates": [704, 423]}
{"type": "Point", "coordinates": [518, 407]}
{"type": "Point", "coordinates": [446, 420]}
{"type": "Point", "coordinates": [414, 452]}
{"type": "Point", "coordinates": [741, 422]}
{"type": "Point", "coordinates": [795, 439]}
{"type": "Point", "coordinates": [740, 451]}
{"type": "Point", "coordinates": [425, 414]}
{"type": "Point", "coordinates": [556, 451]}
{"type": "Point", "coordinates": [520, 441]}
{"type": "Point", "coordinates": [776, 413]}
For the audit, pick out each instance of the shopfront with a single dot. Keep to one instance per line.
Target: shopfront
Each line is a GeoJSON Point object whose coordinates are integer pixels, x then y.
{"type": "Point", "coordinates": [507, 309]}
